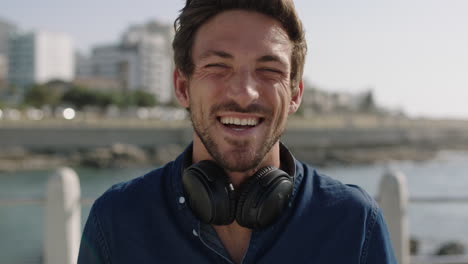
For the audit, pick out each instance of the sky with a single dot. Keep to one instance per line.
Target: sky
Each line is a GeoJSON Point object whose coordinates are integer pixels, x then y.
{"type": "Point", "coordinates": [413, 54]}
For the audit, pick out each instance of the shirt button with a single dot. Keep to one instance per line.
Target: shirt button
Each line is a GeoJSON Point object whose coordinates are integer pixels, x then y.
{"type": "Point", "coordinates": [181, 200]}
{"type": "Point", "coordinates": [195, 232]}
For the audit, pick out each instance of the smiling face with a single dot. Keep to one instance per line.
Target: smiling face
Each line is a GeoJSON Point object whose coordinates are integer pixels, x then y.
{"type": "Point", "coordinates": [239, 94]}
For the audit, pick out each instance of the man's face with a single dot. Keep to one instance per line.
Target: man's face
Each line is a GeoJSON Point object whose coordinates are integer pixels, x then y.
{"type": "Point", "coordinates": [239, 94]}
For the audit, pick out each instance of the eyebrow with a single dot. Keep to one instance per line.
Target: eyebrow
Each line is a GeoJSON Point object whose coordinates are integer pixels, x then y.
{"type": "Point", "coordinates": [225, 55]}
{"type": "Point", "coordinates": [271, 58]}
{"type": "Point", "coordinates": [216, 53]}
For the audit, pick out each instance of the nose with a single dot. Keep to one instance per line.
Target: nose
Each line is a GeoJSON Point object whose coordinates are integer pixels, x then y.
{"type": "Point", "coordinates": [243, 88]}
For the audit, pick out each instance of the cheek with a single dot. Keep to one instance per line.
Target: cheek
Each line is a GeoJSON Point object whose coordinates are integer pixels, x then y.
{"type": "Point", "coordinates": [283, 97]}
{"type": "Point", "coordinates": [279, 106]}
{"type": "Point", "coordinates": [209, 88]}
{"type": "Point", "coordinates": [201, 100]}
{"type": "Point", "coordinates": [198, 95]}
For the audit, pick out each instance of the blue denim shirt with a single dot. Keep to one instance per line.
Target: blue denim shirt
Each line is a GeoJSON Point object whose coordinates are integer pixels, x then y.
{"type": "Point", "coordinates": [147, 220]}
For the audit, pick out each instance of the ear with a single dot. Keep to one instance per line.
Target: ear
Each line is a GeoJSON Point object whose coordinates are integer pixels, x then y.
{"type": "Point", "coordinates": [296, 98]}
{"type": "Point", "coordinates": [181, 88]}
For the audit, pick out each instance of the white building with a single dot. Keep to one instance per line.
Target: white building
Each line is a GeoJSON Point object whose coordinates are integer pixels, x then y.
{"type": "Point", "coordinates": [83, 66]}
{"type": "Point", "coordinates": [150, 65]}
{"type": "Point", "coordinates": [3, 71]}
{"type": "Point", "coordinates": [105, 61]}
{"type": "Point", "coordinates": [40, 57]}
{"type": "Point", "coordinates": [142, 61]}
{"type": "Point", "coordinates": [6, 30]}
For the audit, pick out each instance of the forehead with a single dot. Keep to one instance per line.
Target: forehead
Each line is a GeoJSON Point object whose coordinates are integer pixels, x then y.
{"type": "Point", "coordinates": [243, 32]}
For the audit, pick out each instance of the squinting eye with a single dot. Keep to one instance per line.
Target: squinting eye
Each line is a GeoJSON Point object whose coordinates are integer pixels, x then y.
{"type": "Point", "coordinates": [271, 70]}
{"type": "Point", "coordinates": [216, 65]}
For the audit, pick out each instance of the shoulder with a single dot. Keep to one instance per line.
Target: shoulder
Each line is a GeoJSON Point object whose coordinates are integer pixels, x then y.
{"type": "Point", "coordinates": [328, 200]}
{"type": "Point", "coordinates": [328, 192]}
{"type": "Point", "coordinates": [133, 193]}
{"type": "Point", "coordinates": [349, 203]}
{"type": "Point", "coordinates": [329, 208]}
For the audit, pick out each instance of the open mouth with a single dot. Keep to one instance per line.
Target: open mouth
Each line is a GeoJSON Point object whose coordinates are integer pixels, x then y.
{"type": "Point", "coordinates": [240, 123]}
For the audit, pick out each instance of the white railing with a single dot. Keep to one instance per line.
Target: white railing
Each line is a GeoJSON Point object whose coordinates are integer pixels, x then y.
{"type": "Point", "coordinates": [62, 218]}
{"type": "Point", "coordinates": [393, 199]}
{"type": "Point", "coordinates": [63, 213]}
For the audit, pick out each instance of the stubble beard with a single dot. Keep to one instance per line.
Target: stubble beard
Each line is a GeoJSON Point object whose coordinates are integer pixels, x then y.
{"type": "Point", "coordinates": [243, 157]}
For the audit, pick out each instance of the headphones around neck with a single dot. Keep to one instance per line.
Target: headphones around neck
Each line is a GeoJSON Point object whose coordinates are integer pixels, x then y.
{"type": "Point", "coordinates": [256, 204]}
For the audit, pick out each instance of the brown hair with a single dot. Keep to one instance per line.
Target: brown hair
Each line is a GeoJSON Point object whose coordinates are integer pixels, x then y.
{"type": "Point", "coordinates": [197, 12]}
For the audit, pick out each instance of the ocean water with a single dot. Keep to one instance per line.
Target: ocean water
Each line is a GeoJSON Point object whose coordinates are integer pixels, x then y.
{"type": "Point", "coordinates": [21, 226]}
{"type": "Point", "coordinates": [444, 176]}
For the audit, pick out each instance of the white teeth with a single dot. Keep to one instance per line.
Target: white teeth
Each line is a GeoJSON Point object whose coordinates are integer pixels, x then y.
{"type": "Point", "coordinates": [239, 121]}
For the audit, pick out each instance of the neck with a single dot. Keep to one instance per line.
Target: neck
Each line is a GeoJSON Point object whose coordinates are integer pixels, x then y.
{"type": "Point", "coordinates": [272, 158]}
{"type": "Point", "coordinates": [235, 239]}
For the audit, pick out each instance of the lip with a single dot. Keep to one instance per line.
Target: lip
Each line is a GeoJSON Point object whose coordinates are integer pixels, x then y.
{"type": "Point", "coordinates": [248, 131]}
{"type": "Point", "coordinates": [239, 115]}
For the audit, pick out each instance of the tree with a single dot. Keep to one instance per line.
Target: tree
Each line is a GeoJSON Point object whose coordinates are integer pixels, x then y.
{"type": "Point", "coordinates": [144, 99]}
{"type": "Point", "coordinates": [80, 97]}
{"type": "Point", "coordinates": [368, 102]}
{"type": "Point", "coordinates": [39, 95]}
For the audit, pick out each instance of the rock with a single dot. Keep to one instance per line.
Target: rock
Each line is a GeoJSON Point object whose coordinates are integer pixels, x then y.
{"type": "Point", "coordinates": [97, 158]}
{"type": "Point", "coordinates": [126, 155]}
{"type": "Point", "coordinates": [32, 162]}
{"type": "Point", "coordinates": [14, 153]}
{"type": "Point", "coordinates": [117, 156]}
{"type": "Point", "coordinates": [414, 246]}
{"type": "Point", "coordinates": [451, 248]}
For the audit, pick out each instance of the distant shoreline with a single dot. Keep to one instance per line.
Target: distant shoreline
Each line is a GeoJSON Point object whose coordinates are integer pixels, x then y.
{"type": "Point", "coordinates": [132, 156]}
{"type": "Point", "coordinates": [132, 143]}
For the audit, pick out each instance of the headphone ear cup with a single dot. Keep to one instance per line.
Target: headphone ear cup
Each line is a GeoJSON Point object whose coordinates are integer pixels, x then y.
{"type": "Point", "coordinates": [206, 186]}
{"type": "Point", "coordinates": [244, 215]}
{"type": "Point", "coordinates": [263, 198]}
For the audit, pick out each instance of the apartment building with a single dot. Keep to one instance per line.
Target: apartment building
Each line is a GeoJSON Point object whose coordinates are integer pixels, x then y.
{"type": "Point", "coordinates": [39, 57]}
{"type": "Point", "coordinates": [7, 29]}
{"type": "Point", "coordinates": [142, 60]}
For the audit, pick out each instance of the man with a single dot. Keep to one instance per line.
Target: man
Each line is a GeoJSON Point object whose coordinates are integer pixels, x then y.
{"type": "Point", "coordinates": [238, 72]}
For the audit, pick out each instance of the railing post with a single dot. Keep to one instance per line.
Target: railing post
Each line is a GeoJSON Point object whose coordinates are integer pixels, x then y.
{"type": "Point", "coordinates": [394, 203]}
{"type": "Point", "coordinates": [62, 218]}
